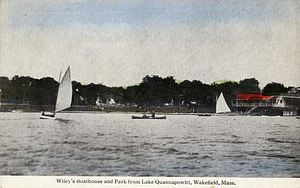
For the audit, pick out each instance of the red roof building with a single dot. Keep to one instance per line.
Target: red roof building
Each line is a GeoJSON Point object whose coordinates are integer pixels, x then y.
{"type": "Point", "coordinates": [252, 97]}
{"type": "Point", "coordinates": [254, 100]}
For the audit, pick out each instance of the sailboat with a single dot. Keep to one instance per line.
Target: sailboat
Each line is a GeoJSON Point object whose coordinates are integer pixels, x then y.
{"type": "Point", "coordinates": [64, 96]}
{"type": "Point", "coordinates": [222, 107]}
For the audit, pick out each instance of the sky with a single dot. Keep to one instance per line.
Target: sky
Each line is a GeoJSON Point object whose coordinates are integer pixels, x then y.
{"type": "Point", "coordinates": [118, 42]}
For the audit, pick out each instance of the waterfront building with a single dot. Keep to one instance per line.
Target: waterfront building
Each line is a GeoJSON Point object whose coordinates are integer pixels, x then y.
{"type": "Point", "coordinates": [257, 100]}
{"type": "Point", "coordinates": [290, 104]}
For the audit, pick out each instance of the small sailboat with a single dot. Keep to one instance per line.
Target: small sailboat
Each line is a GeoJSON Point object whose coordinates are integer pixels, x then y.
{"type": "Point", "coordinates": [222, 107]}
{"type": "Point", "coordinates": [64, 96]}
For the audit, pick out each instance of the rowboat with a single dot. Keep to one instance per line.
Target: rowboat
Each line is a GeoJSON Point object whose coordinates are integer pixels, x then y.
{"type": "Point", "coordinates": [148, 117]}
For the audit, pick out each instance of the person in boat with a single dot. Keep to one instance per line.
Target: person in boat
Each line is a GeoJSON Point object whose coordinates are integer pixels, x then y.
{"type": "Point", "coordinates": [144, 114]}
{"type": "Point", "coordinates": [43, 113]}
{"type": "Point", "coordinates": [153, 114]}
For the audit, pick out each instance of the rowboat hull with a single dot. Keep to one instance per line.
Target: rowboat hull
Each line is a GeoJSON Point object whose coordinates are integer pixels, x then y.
{"type": "Point", "coordinates": [148, 117]}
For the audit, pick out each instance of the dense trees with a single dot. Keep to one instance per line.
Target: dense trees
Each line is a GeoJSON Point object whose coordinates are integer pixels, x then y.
{"type": "Point", "coordinates": [155, 90]}
{"type": "Point", "coordinates": [196, 92]}
{"type": "Point", "coordinates": [4, 87]}
{"type": "Point", "coordinates": [29, 90]}
{"type": "Point", "coordinates": [152, 91]}
{"type": "Point", "coordinates": [274, 89]}
{"type": "Point", "coordinates": [249, 85]}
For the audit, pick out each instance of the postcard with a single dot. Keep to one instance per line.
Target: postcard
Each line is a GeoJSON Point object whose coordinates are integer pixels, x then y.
{"type": "Point", "coordinates": [159, 93]}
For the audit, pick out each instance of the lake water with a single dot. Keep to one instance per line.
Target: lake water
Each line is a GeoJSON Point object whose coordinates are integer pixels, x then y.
{"type": "Point", "coordinates": [182, 145]}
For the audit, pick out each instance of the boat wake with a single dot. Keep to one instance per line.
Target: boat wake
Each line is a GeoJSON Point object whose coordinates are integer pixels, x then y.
{"type": "Point", "coordinates": [63, 120]}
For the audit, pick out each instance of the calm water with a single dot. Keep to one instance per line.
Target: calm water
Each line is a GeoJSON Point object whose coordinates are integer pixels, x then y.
{"type": "Point", "coordinates": [116, 145]}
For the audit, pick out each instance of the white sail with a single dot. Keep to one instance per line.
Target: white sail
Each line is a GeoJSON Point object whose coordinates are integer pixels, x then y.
{"type": "Point", "coordinates": [222, 106]}
{"type": "Point", "coordinates": [64, 96]}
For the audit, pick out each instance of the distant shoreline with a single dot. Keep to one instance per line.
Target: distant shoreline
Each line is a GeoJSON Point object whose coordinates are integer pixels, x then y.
{"type": "Point", "coordinates": [109, 109]}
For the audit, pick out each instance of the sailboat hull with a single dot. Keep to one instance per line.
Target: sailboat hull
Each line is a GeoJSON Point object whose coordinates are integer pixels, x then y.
{"type": "Point", "coordinates": [230, 114]}
{"type": "Point", "coordinates": [47, 117]}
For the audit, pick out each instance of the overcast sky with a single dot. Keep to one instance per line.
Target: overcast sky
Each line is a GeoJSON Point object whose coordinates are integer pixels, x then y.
{"type": "Point", "coordinates": [117, 43]}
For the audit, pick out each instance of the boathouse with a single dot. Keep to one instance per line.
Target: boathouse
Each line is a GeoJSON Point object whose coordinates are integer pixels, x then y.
{"type": "Point", "coordinates": [258, 100]}
{"type": "Point", "coordinates": [289, 104]}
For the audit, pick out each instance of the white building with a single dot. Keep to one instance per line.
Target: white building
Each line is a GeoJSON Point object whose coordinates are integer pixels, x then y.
{"type": "Point", "coordinates": [290, 104]}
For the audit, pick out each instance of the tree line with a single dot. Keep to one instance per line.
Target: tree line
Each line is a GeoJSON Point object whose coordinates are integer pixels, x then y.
{"type": "Point", "coordinates": [152, 91]}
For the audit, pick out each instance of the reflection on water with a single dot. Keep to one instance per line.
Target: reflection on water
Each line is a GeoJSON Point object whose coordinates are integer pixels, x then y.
{"type": "Point", "coordinates": [116, 145]}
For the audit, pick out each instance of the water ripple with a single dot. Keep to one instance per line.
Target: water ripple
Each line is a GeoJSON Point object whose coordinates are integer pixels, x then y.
{"type": "Point", "coordinates": [281, 156]}
{"type": "Point", "coordinates": [113, 144]}
{"type": "Point", "coordinates": [280, 141]}
{"type": "Point", "coordinates": [167, 137]}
